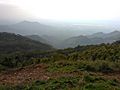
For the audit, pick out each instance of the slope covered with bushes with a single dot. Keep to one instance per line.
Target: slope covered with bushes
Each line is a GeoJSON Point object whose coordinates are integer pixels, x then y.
{"type": "Point", "coordinates": [92, 67]}
{"type": "Point", "coordinates": [10, 42]}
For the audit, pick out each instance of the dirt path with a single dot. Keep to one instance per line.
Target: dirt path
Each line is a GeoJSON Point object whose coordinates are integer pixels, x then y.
{"type": "Point", "coordinates": [38, 72]}
{"type": "Point", "coordinates": [24, 75]}
{"type": "Point", "coordinates": [30, 74]}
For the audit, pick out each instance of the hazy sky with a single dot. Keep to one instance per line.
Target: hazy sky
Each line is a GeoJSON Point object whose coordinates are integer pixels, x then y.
{"type": "Point", "coordinates": [62, 10]}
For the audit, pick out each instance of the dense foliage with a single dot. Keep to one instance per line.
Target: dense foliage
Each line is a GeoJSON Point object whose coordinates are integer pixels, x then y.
{"type": "Point", "coordinates": [88, 82]}
{"type": "Point", "coordinates": [104, 58]}
{"type": "Point", "coordinates": [10, 42]}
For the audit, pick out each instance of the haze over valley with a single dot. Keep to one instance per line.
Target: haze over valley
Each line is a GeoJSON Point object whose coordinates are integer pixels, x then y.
{"type": "Point", "coordinates": [58, 24]}
{"type": "Point", "coordinates": [59, 44]}
{"type": "Point", "coordinates": [63, 36]}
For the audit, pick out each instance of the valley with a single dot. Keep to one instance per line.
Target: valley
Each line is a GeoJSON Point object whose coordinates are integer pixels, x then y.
{"type": "Point", "coordinates": [88, 67]}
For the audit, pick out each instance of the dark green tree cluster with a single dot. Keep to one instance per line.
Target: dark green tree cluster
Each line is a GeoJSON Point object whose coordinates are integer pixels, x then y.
{"type": "Point", "coordinates": [10, 42]}
{"type": "Point", "coordinates": [106, 52]}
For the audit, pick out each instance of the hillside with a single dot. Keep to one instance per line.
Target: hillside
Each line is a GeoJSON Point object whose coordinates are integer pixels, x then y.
{"type": "Point", "coordinates": [38, 38]}
{"type": "Point", "coordinates": [10, 42]}
{"type": "Point", "coordinates": [96, 38]}
{"type": "Point", "coordinates": [92, 67]}
{"type": "Point", "coordinates": [27, 28]}
{"type": "Point", "coordinates": [75, 41]}
{"type": "Point", "coordinates": [54, 33]}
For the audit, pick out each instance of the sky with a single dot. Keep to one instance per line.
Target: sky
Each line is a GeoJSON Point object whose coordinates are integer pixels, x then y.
{"type": "Point", "coordinates": [61, 10]}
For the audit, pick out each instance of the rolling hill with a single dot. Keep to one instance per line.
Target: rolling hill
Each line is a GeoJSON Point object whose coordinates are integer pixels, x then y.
{"type": "Point", "coordinates": [38, 38]}
{"type": "Point", "coordinates": [96, 38]}
{"type": "Point", "coordinates": [92, 67]}
{"type": "Point", "coordinates": [10, 42]}
{"type": "Point", "coordinates": [26, 28]}
{"type": "Point", "coordinates": [52, 33]}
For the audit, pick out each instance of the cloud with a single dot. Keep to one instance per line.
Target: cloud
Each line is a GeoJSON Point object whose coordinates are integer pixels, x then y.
{"type": "Point", "coordinates": [70, 9]}
{"type": "Point", "coordinates": [11, 12]}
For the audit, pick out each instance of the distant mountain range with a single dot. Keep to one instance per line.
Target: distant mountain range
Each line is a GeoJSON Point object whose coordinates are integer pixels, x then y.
{"type": "Point", "coordinates": [27, 28]}
{"type": "Point", "coordinates": [55, 33]}
{"type": "Point", "coordinates": [96, 38]}
{"type": "Point", "coordinates": [61, 37]}
{"type": "Point", "coordinates": [38, 38]}
{"type": "Point", "coordinates": [10, 42]}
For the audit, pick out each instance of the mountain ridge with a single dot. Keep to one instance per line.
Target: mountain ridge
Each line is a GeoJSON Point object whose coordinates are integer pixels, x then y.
{"type": "Point", "coordinates": [10, 42]}
{"type": "Point", "coordinates": [96, 38]}
{"type": "Point", "coordinates": [38, 38]}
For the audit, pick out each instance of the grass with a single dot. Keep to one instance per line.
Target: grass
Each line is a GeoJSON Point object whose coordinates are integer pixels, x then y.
{"type": "Point", "coordinates": [59, 63]}
{"type": "Point", "coordinates": [87, 82]}
{"type": "Point", "coordinates": [84, 65]}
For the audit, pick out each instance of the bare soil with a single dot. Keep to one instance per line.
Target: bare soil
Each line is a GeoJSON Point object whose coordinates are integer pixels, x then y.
{"type": "Point", "coordinates": [39, 72]}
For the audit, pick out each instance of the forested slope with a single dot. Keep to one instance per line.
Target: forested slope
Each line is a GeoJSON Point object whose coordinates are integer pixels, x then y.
{"type": "Point", "coordinates": [92, 67]}
{"type": "Point", "coordinates": [10, 42]}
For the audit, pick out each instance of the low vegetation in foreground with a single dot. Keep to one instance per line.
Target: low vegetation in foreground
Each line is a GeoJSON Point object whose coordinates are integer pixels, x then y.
{"type": "Point", "coordinates": [92, 67]}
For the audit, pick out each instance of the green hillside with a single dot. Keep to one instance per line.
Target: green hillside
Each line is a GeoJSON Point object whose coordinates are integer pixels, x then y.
{"type": "Point", "coordinates": [10, 42]}
{"type": "Point", "coordinates": [92, 67]}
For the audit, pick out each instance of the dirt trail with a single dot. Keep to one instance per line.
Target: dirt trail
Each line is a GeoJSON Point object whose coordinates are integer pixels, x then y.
{"type": "Point", "coordinates": [38, 72]}
{"type": "Point", "coordinates": [31, 73]}
{"type": "Point", "coordinates": [24, 75]}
